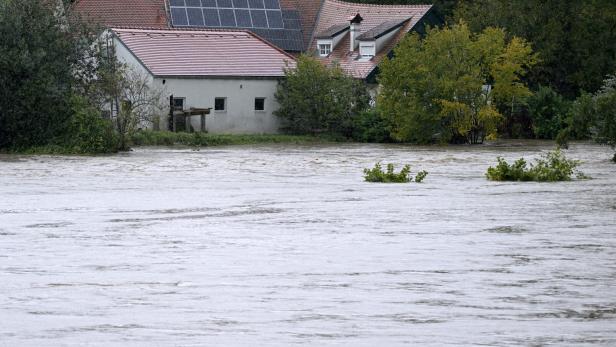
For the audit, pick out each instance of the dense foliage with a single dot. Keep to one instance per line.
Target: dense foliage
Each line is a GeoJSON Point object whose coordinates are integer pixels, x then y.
{"type": "Point", "coordinates": [452, 85]}
{"type": "Point", "coordinates": [316, 99]}
{"type": "Point", "coordinates": [36, 80]}
{"type": "Point", "coordinates": [377, 175]}
{"type": "Point", "coordinates": [605, 110]}
{"type": "Point", "coordinates": [575, 39]}
{"type": "Point", "coordinates": [198, 139]}
{"type": "Point", "coordinates": [548, 111]}
{"type": "Point", "coordinates": [44, 49]}
{"type": "Point", "coordinates": [551, 167]}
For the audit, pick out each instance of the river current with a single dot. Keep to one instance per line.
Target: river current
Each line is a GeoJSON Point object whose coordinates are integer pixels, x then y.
{"type": "Point", "coordinates": [287, 246]}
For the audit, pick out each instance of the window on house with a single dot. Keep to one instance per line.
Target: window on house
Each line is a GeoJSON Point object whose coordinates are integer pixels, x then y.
{"type": "Point", "coordinates": [178, 104]}
{"type": "Point", "coordinates": [325, 49]}
{"type": "Point", "coordinates": [367, 50]}
{"type": "Point", "coordinates": [220, 104]}
{"type": "Point", "coordinates": [259, 104]}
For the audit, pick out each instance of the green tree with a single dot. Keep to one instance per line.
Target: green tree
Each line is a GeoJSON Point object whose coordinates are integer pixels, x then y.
{"type": "Point", "coordinates": [573, 38]}
{"type": "Point", "coordinates": [45, 54]}
{"type": "Point", "coordinates": [450, 85]}
{"type": "Point", "coordinates": [549, 111]}
{"type": "Point", "coordinates": [605, 101]}
{"type": "Point", "coordinates": [315, 98]}
{"type": "Point", "coordinates": [36, 62]}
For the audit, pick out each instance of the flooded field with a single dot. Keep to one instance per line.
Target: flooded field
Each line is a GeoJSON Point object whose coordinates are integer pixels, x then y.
{"type": "Point", "coordinates": [287, 246]}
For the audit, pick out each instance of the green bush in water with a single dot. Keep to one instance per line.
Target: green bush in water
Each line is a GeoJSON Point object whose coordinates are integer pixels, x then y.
{"type": "Point", "coordinates": [551, 167]}
{"type": "Point", "coordinates": [421, 175]}
{"type": "Point", "coordinates": [376, 174]}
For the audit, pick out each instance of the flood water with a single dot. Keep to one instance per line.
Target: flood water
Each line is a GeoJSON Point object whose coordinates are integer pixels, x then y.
{"type": "Point", "coordinates": [287, 246]}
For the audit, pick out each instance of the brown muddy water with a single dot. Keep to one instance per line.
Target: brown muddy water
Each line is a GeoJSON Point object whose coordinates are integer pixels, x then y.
{"type": "Point", "coordinates": [287, 246]}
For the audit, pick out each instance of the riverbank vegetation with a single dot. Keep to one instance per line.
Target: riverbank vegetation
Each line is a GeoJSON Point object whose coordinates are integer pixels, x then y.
{"type": "Point", "coordinates": [62, 89]}
{"type": "Point", "coordinates": [166, 138]}
{"type": "Point", "coordinates": [454, 86]}
{"type": "Point", "coordinates": [498, 69]}
{"type": "Point", "coordinates": [551, 167]}
{"type": "Point", "coordinates": [378, 175]}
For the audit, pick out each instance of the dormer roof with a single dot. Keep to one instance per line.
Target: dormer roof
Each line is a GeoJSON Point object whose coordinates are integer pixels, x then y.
{"type": "Point", "coordinates": [333, 31]}
{"type": "Point", "coordinates": [381, 30]}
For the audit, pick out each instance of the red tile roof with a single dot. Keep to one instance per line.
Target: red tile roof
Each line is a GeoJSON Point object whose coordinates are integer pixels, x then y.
{"type": "Point", "coordinates": [336, 12]}
{"type": "Point", "coordinates": [316, 16]}
{"type": "Point", "coordinates": [205, 53]}
{"type": "Point", "coordinates": [133, 13]}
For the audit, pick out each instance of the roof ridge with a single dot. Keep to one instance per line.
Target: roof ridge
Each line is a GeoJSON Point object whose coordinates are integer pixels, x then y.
{"type": "Point", "coordinates": [142, 28]}
{"type": "Point", "coordinates": [204, 30]}
{"type": "Point", "coordinates": [379, 5]}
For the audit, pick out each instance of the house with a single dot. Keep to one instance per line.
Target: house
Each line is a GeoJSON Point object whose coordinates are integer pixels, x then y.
{"type": "Point", "coordinates": [356, 37]}
{"type": "Point", "coordinates": [232, 72]}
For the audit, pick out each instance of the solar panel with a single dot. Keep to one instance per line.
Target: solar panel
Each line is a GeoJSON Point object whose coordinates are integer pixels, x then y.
{"type": "Point", "coordinates": [179, 17]}
{"type": "Point", "coordinates": [195, 16]}
{"type": "Point", "coordinates": [243, 18]}
{"type": "Point", "coordinates": [274, 19]}
{"type": "Point", "coordinates": [256, 3]}
{"type": "Point", "coordinates": [227, 17]}
{"type": "Point", "coordinates": [272, 4]}
{"type": "Point", "coordinates": [259, 20]}
{"type": "Point", "coordinates": [240, 3]}
{"type": "Point", "coordinates": [210, 15]}
{"type": "Point", "coordinates": [263, 17]}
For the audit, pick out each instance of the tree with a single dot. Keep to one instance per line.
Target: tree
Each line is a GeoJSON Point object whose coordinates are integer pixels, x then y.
{"type": "Point", "coordinates": [573, 38]}
{"type": "Point", "coordinates": [451, 85]}
{"type": "Point", "coordinates": [315, 98]}
{"type": "Point", "coordinates": [128, 95]}
{"type": "Point", "coordinates": [36, 61]}
{"type": "Point", "coordinates": [605, 101]}
{"type": "Point", "coordinates": [548, 110]}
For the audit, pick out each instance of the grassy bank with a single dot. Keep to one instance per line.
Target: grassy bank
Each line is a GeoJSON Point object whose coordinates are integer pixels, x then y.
{"type": "Point", "coordinates": [165, 138]}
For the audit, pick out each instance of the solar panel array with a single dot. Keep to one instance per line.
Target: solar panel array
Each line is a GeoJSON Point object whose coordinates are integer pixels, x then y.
{"type": "Point", "coordinates": [263, 17]}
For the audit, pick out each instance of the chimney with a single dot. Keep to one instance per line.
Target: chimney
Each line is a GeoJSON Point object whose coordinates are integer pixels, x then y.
{"type": "Point", "coordinates": [354, 30]}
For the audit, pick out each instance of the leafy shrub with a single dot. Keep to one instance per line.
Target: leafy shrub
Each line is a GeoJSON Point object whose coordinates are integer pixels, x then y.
{"type": "Point", "coordinates": [370, 126]}
{"type": "Point", "coordinates": [88, 132]}
{"type": "Point", "coordinates": [376, 174]}
{"type": "Point", "coordinates": [421, 175]}
{"type": "Point", "coordinates": [551, 167]}
{"type": "Point", "coordinates": [548, 110]}
{"type": "Point", "coordinates": [319, 99]}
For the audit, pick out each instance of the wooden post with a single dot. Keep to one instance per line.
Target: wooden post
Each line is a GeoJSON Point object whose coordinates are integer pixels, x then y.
{"type": "Point", "coordinates": [202, 122]}
{"type": "Point", "coordinates": [171, 122]}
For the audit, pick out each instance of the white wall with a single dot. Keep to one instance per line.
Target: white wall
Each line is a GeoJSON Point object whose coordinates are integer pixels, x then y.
{"type": "Point", "coordinates": [383, 40]}
{"type": "Point", "coordinates": [240, 116]}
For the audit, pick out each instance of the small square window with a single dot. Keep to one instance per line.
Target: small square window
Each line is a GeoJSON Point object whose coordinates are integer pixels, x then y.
{"type": "Point", "coordinates": [178, 104]}
{"type": "Point", "coordinates": [259, 104]}
{"type": "Point", "coordinates": [220, 104]}
{"type": "Point", "coordinates": [325, 50]}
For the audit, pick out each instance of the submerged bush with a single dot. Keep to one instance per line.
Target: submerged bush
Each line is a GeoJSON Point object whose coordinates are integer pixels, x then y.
{"type": "Point", "coordinates": [376, 174]}
{"type": "Point", "coordinates": [551, 167]}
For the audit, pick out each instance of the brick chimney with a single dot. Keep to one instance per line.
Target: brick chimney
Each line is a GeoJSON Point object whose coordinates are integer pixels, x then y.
{"type": "Point", "coordinates": [354, 30]}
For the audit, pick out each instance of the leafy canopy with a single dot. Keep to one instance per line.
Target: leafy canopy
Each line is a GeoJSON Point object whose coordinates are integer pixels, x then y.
{"type": "Point", "coordinates": [449, 86]}
{"type": "Point", "coordinates": [315, 98]}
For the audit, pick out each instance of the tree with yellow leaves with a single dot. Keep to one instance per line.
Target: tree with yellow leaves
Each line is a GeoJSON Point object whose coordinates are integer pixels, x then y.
{"type": "Point", "coordinates": [453, 85]}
